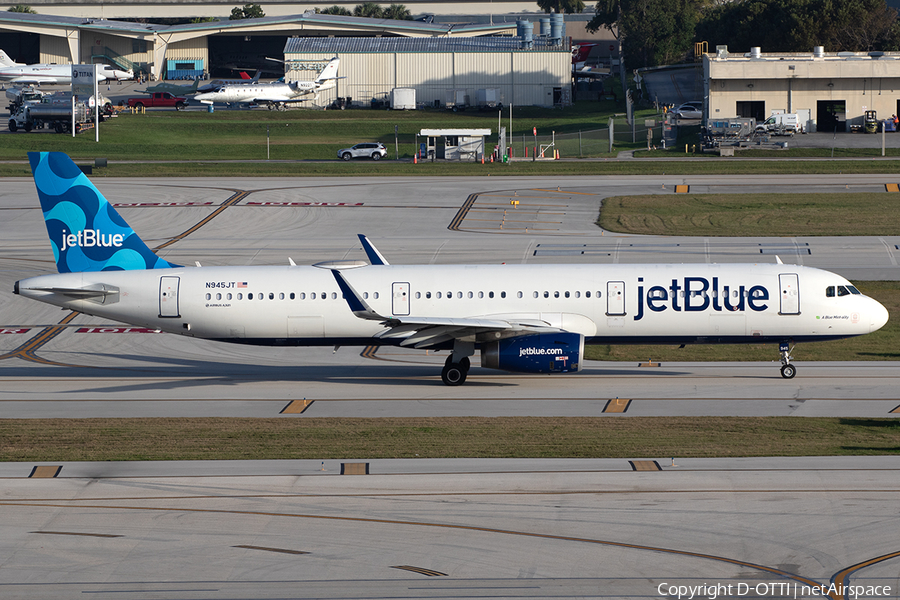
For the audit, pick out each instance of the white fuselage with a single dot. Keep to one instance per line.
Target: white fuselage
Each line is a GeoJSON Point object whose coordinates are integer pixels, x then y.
{"type": "Point", "coordinates": [262, 92]}
{"type": "Point", "coordinates": [50, 73]}
{"type": "Point", "coordinates": [298, 305]}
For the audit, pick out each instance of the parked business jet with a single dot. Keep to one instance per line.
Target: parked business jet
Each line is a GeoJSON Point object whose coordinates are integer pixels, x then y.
{"type": "Point", "coordinates": [217, 83]}
{"type": "Point", "coordinates": [522, 318]}
{"type": "Point", "coordinates": [274, 95]}
{"type": "Point", "coordinates": [51, 73]}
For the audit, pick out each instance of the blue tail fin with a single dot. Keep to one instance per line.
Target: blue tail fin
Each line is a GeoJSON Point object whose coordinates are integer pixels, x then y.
{"type": "Point", "coordinates": [86, 232]}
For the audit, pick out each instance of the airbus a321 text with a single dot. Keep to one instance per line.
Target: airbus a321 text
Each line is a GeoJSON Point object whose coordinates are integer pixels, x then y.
{"type": "Point", "coordinates": [522, 318]}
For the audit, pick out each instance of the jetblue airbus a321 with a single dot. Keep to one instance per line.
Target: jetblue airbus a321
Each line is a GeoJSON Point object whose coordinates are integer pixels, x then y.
{"type": "Point", "coordinates": [522, 318]}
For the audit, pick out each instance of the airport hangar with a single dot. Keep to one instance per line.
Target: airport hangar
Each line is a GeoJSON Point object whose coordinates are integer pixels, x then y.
{"type": "Point", "coordinates": [379, 54]}
{"type": "Point", "coordinates": [830, 91]}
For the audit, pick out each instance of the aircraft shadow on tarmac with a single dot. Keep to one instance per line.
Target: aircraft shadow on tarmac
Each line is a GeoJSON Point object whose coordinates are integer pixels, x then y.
{"type": "Point", "coordinates": [181, 373]}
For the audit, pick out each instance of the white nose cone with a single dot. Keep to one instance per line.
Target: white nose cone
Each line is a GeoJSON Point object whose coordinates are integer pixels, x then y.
{"type": "Point", "coordinates": [879, 316]}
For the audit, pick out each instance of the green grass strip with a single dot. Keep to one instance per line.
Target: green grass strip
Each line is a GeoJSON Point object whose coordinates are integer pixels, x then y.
{"type": "Point", "coordinates": [750, 215]}
{"type": "Point", "coordinates": [465, 437]}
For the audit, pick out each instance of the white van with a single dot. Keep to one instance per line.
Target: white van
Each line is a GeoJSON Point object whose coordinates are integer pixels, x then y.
{"type": "Point", "coordinates": [781, 124]}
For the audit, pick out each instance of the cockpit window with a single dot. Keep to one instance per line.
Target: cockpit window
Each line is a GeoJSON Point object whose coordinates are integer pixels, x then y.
{"type": "Point", "coordinates": [842, 290]}
{"type": "Point", "coordinates": [829, 291]}
{"type": "Point", "coordinates": [853, 290]}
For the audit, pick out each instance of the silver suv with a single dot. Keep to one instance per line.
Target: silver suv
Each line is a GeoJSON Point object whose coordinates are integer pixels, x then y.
{"type": "Point", "coordinates": [376, 150]}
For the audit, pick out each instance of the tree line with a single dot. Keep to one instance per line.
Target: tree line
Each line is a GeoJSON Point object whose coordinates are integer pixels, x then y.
{"type": "Point", "coordinates": [371, 10]}
{"type": "Point", "coordinates": [661, 32]}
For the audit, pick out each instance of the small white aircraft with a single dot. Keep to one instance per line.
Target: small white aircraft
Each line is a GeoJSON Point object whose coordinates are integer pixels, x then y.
{"type": "Point", "coordinates": [274, 95]}
{"type": "Point", "coordinates": [217, 83]}
{"type": "Point", "coordinates": [51, 73]}
{"type": "Point", "coordinates": [522, 318]}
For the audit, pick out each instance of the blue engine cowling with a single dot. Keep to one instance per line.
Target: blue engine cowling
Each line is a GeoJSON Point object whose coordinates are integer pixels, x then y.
{"type": "Point", "coordinates": [537, 353]}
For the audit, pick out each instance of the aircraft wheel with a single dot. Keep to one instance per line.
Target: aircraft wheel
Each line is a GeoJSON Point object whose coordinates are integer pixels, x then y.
{"type": "Point", "coordinates": [271, 107]}
{"type": "Point", "coordinates": [788, 371]}
{"type": "Point", "coordinates": [346, 156]}
{"type": "Point", "coordinates": [282, 107]}
{"type": "Point", "coordinates": [453, 374]}
{"type": "Point", "coordinates": [465, 364]}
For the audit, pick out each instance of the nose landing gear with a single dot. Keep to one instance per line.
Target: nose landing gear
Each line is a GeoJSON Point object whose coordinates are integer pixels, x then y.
{"type": "Point", "coordinates": [787, 369]}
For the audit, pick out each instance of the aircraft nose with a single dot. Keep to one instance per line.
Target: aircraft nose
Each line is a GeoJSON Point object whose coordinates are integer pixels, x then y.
{"type": "Point", "coordinates": [879, 316]}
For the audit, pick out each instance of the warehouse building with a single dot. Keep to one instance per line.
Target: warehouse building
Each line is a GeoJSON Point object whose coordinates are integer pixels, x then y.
{"type": "Point", "coordinates": [829, 91]}
{"type": "Point", "coordinates": [446, 71]}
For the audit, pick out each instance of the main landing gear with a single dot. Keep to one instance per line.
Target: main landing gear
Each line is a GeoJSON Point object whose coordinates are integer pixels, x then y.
{"type": "Point", "coordinates": [787, 369]}
{"type": "Point", "coordinates": [457, 364]}
{"type": "Point", "coordinates": [454, 373]}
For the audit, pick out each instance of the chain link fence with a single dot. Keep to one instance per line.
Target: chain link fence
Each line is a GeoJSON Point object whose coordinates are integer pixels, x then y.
{"type": "Point", "coordinates": [593, 142]}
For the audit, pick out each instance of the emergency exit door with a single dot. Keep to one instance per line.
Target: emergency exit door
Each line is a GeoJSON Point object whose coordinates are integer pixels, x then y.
{"type": "Point", "coordinates": [168, 296]}
{"type": "Point", "coordinates": [615, 298]}
{"type": "Point", "coordinates": [789, 294]}
{"type": "Point", "coordinates": [400, 303]}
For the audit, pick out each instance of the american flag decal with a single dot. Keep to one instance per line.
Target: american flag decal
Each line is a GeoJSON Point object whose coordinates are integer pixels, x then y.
{"type": "Point", "coordinates": [242, 284]}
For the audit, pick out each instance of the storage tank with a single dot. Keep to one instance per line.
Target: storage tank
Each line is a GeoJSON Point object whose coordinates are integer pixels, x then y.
{"type": "Point", "coordinates": [525, 31]}
{"type": "Point", "coordinates": [403, 98]}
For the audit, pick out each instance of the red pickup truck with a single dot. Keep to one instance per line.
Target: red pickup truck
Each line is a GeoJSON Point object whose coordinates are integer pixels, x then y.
{"type": "Point", "coordinates": [164, 99]}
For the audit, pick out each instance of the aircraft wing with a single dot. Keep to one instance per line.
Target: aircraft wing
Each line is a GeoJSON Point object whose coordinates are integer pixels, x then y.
{"type": "Point", "coordinates": [280, 99]}
{"type": "Point", "coordinates": [426, 332]}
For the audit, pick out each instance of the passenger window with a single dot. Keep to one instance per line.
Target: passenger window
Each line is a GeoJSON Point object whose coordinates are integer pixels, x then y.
{"type": "Point", "coordinates": [228, 296]}
{"type": "Point", "coordinates": [587, 294]}
{"type": "Point", "coordinates": [481, 294]}
{"type": "Point", "coordinates": [240, 296]}
{"type": "Point", "coordinates": [438, 295]}
{"type": "Point", "coordinates": [459, 294]}
{"type": "Point", "coordinates": [218, 296]}
{"type": "Point", "coordinates": [271, 296]}
{"type": "Point", "coordinates": [503, 294]}
{"type": "Point", "coordinates": [281, 296]}
{"type": "Point", "coordinates": [449, 295]}
{"type": "Point", "coordinates": [490, 294]}
{"type": "Point", "coordinates": [312, 296]}
{"type": "Point", "coordinates": [536, 294]}
{"type": "Point", "coordinates": [250, 296]}
{"type": "Point", "coordinates": [324, 295]}
{"type": "Point", "coordinates": [567, 294]}
{"type": "Point", "coordinates": [519, 294]}
{"type": "Point", "coordinates": [375, 295]}
{"type": "Point", "coordinates": [577, 294]}
{"type": "Point", "coordinates": [334, 295]}
{"type": "Point", "coordinates": [556, 294]}
{"type": "Point", "coordinates": [292, 295]}
{"type": "Point", "coordinates": [428, 295]}
{"type": "Point", "coordinates": [471, 295]}
{"type": "Point", "coordinates": [209, 297]}
{"type": "Point", "coordinates": [598, 294]}
{"type": "Point", "coordinates": [418, 295]}
{"type": "Point", "coordinates": [303, 295]}
{"type": "Point", "coordinates": [546, 294]}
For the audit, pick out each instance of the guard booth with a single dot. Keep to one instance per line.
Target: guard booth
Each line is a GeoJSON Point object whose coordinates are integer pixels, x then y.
{"type": "Point", "coordinates": [451, 144]}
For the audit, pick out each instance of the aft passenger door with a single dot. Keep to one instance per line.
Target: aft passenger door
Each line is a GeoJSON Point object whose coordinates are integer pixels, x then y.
{"type": "Point", "coordinates": [789, 294]}
{"type": "Point", "coordinates": [168, 296]}
{"type": "Point", "coordinates": [400, 301]}
{"type": "Point", "coordinates": [615, 298]}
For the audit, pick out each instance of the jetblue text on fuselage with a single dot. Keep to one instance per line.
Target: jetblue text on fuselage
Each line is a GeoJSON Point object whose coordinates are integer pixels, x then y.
{"type": "Point", "coordinates": [697, 294]}
{"type": "Point", "coordinates": [90, 238]}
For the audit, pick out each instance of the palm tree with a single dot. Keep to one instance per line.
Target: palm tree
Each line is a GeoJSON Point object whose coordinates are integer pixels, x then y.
{"type": "Point", "coordinates": [336, 10]}
{"type": "Point", "coordinates": [371, 10]}
{"type": "Point", "coordinates": [22, 8]}
{"type": "Point", "coordinates": [397, 12]}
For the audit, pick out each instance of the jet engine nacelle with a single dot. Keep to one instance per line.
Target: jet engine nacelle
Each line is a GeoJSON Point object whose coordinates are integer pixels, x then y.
{"type": "Point", "coordinates": [537, 353]}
